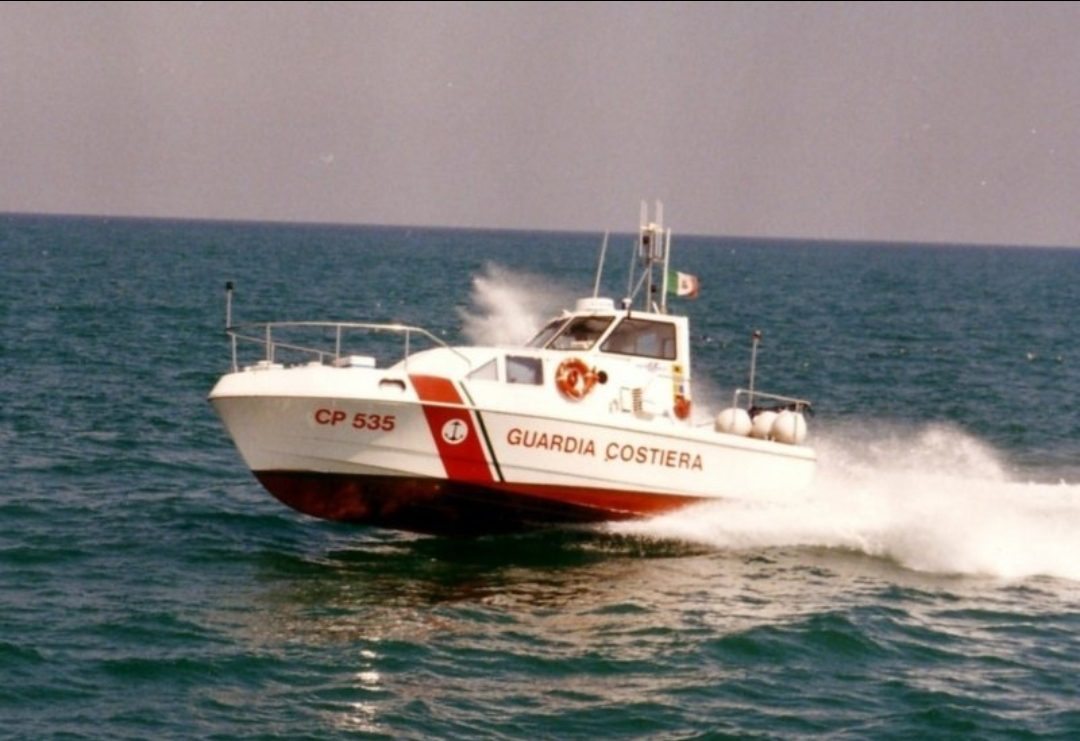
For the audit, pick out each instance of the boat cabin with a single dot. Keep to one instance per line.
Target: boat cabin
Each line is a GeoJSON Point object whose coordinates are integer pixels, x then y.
{"type": "Point", "coordinates": [595, 326]}
{"type": "Point", "coordinates": [603, 357]}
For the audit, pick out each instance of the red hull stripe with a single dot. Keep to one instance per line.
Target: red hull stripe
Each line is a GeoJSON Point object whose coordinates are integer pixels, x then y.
{"type": "Point", "coordinates": [435, 389]}
{"type": "Point", "coordinates": [455, 433]}
{"type": "Point", "coordinates": [441, 507]}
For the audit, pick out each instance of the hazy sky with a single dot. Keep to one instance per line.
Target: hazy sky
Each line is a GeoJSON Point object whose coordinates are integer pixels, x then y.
{"type": "Point", "coordinates": [901, 121]}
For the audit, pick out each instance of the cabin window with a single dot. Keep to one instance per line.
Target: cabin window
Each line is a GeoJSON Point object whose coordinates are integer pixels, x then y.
{"type": "Point", "coordinates": [520, 369]}
{"type": "Point", "coordinates": [642, 337]}
{"type": "Point", "coordinates": [489, 371]}
{"type": "Point", "coordinates": [581, 333]}
{"type": "Point", "coordinates": [545, 334]}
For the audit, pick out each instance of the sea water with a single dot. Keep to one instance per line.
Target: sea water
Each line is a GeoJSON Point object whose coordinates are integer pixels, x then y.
{"type": "Point", "coordinates": [928, 584]}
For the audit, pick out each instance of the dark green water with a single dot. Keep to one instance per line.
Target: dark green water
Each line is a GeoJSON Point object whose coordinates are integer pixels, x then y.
{"type": "Point", "coordinates": [928, 585]}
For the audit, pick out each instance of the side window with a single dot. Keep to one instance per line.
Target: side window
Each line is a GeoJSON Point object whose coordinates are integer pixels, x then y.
{"type": "Point", "coordinates": [489, 371]}
{"type": "Point", "coordinates": [642, 337]}
{"type": "Point", "coordinates": [520, 369]}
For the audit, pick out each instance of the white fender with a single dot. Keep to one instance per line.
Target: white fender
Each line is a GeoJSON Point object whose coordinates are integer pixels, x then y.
{"type": "Point", "coordinates": [734, 421]}
{"type": "Point", "coordinates": [763, 423]}
{"type": "Point", "coordinates": [789, 427]}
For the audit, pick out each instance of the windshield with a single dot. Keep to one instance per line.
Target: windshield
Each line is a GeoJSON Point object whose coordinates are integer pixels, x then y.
{"type": "Point", "coordinates": [581, 333]}
{"type": "Point", "coordinates": [546, 333]}
{"type": "Point", "coordinates": [642, 337]}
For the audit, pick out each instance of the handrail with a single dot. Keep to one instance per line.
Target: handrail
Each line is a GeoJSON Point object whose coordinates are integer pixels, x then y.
{"type": "Point", "coordinates": [266, 330]}
{"type": "Point", "coordinates": [751, 394]}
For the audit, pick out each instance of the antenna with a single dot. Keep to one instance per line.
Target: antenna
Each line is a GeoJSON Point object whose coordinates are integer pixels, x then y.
{"type": "Point", "coordinates": [652, 250]}
{"type": "Point", "coordinates": [653, 247]}
{"type": "Point", "coordinates": [664, 278]}
{"type": "Point", "coordinates": [228, 322]}
{"type": "Point", "coordinates": [228, 303]}
{"type": "Point", "coordinates": [651, 237]}
{"type": "Point", "coordinates": [600, 267]}
{"type": "Point", "coordinates": [755, 340]}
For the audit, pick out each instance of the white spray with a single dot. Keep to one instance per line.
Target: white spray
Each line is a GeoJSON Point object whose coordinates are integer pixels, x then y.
{"type": "Point", "coordinates": [932, 499]}
{"type": "Point", "coordinates": [509, 308]}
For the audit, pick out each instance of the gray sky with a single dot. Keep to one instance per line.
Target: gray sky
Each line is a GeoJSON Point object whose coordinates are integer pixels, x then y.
{"type": "Point", "coordinates": [901, 121]}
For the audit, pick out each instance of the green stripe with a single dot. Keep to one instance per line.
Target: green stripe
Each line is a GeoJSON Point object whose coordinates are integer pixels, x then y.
{"type": "Point", "coordinates": [483, 431]}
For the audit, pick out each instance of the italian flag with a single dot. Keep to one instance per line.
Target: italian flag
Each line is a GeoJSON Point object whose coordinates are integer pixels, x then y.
{"type": "Point", "coordinates": [682, 284]}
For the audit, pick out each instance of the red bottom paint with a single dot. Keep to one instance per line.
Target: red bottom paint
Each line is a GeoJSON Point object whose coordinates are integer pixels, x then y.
{"type": "Point", "coordinates": [442, 507]}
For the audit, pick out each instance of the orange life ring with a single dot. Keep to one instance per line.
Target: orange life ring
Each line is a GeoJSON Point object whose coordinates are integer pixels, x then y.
{"type": "Point", "coordinates": [574, 378]}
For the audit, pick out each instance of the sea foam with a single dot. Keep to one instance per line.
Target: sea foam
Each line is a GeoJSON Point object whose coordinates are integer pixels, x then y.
{"type": "Point", "coordinates": [933, 499]}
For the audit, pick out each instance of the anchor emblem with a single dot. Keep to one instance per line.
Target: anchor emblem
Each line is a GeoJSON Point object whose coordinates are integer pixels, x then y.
{"type": "Point", "coordinates": [455, 431]}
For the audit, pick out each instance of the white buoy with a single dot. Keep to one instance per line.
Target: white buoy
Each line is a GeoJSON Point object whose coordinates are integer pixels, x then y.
{"type": "Point", "coordinates": [763, 422]}
{"type": "Point", "coordinates": [789, 427]}
{"type": "Point", "coordinates": [734, 421]}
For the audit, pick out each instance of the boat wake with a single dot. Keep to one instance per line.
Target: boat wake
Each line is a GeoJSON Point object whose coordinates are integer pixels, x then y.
{"type": "Point", "coordinates": [933, 499]}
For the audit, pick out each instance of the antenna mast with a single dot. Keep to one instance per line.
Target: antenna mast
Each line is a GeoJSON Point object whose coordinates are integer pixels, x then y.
{"type": "Point", "coordinates": [653, 246]}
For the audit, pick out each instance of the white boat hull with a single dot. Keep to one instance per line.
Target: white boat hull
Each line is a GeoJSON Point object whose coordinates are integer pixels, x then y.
{"type": "Point", "coordinates": [426, 453]}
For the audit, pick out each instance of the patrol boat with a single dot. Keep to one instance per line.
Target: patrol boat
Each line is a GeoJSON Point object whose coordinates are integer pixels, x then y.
{"type": "Point", "coordinates": [590, 421]}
